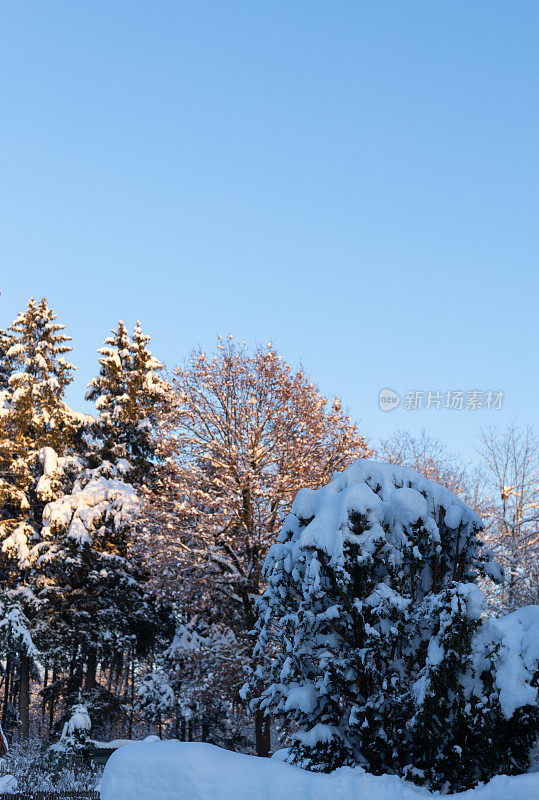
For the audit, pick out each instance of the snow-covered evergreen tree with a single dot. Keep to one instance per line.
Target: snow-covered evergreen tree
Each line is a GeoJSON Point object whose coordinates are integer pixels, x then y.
{"type": "Point", "coordinates": [75, 736]}
{"type": "Point", "coordinates": [127, 393]}
{"type": "Point", "coordinates": [155, 698]}
{"type": "Point", "coordinates": [91, 584]}
{"type": "Point", "coordinates": [40, 375]}
{"type": "Point", "coordinates": [35, 424]}
{"type": "Point", "coordinates": [370, 632]}
{"type": "Point", "coordinates": [91, 530]}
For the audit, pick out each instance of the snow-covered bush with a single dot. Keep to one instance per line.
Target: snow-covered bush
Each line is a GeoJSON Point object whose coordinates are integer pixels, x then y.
{"type": "Point", "coordinates": [76, 730]}
{"type": "Point", "coordinates": [35, 769]}
{"type": "Point", "coordinates": [155, 698]}
{"type": "Point", "coordinates": [74, 739]}
{"type": "Point", "coordinates": [373, 647]}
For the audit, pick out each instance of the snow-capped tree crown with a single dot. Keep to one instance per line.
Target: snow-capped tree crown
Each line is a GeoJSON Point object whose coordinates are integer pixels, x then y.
{"type": "Point", "coordinates": [411, 530]}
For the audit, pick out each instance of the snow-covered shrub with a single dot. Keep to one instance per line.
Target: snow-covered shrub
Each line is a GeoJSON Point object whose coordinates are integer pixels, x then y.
{"type": "Point", "coordinates": [155, 697]}
{"type": "Point", "coordinates": [75, 737]}
{"type": "Point", "coordinates": [373, 648]}
{"type": "Point", "coordinates": [76, 730]}
{"type": "Point", "coordinates": [68, 757]}
{"type": "Point", "coordinates": [34, 768]}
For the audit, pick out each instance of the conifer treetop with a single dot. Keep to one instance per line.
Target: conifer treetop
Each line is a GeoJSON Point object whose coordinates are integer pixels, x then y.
{"type": "Point", "coordinates": [39, 374]}
{"type": "Point", "coordinates": [127, 393]}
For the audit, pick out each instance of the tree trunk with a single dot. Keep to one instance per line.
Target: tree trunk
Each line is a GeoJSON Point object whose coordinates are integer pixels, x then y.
{"type": "Point", "coordinates": [262, 734]}
{"type": "Point", "coordinates": [111, 672]}
{"type": "Point", "coordinates": [24, 696]}
{"type": "Point", "coordinates": [43, 703]}
{"type": "Point", "coordinates": [51, 708]}
{"type": "Point", "coordinates": [91, 670]}
{"type": "Point", "coordinates": [119, 674]}
{"type": "Point", "coordinates": [6, 691]}
{"type": "Point", "coordinates": [132, 710]}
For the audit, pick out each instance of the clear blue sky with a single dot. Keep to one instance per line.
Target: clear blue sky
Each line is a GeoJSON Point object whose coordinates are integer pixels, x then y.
{"type": "Point", "coordinates": [356, 181]}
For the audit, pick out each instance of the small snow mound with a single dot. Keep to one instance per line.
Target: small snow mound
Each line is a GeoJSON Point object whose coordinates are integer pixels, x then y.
{"type": "Point", "coordinates": [409, 505]}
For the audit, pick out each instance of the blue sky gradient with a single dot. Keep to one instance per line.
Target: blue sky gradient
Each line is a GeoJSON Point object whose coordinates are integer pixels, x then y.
{"type": "Point", "coordinates": [356, 182]}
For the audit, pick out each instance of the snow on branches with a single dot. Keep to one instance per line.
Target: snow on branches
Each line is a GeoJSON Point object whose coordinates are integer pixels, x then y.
{"type": "Point", "coordinates": [243, 433]}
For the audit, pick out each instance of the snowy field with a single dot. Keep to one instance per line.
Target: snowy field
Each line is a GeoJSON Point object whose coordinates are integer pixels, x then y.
{"type": "Point", "coordinates": [193, 771]}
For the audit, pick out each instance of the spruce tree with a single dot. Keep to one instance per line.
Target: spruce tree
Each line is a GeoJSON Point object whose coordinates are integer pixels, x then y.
{"type": "Point", "coordinates": [95, 586]}
{"type": "Point", "coordinates": [128, 393]}
{"type": "Point", "coordinates": [35, 425]}
{"type": "Point", "coordinates": [372, 646]}
{"type": "Point", "coordinates": [40, 376]}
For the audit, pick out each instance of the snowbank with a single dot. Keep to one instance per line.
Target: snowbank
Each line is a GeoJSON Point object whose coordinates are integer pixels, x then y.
{"type": "Point", "coordinates": [192, 771]}
{"type": "Point", "coordinates": [8, 783]}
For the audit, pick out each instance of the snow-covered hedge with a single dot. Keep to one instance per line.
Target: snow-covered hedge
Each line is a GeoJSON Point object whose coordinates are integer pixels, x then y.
{"type": "Point", "coordinates": [372, 643]}
{"type": "Point", "coordinates": [189, 770]}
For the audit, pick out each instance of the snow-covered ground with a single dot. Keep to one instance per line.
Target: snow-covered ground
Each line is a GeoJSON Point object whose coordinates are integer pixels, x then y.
{"type": "Point", "coordinates": [193, 771]}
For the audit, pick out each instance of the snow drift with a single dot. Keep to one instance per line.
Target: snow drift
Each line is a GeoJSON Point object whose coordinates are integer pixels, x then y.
{"type": "Point", "coordinates": [193, 771]}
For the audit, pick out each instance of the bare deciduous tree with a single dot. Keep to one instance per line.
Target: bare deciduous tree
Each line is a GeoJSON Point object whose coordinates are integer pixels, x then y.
{"type": "Point", "coordinates": [511, 462]}
{"type": "Point", "coordinates": [430, 457]}
{"type": "Point", "coordinates": [244, 434]}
